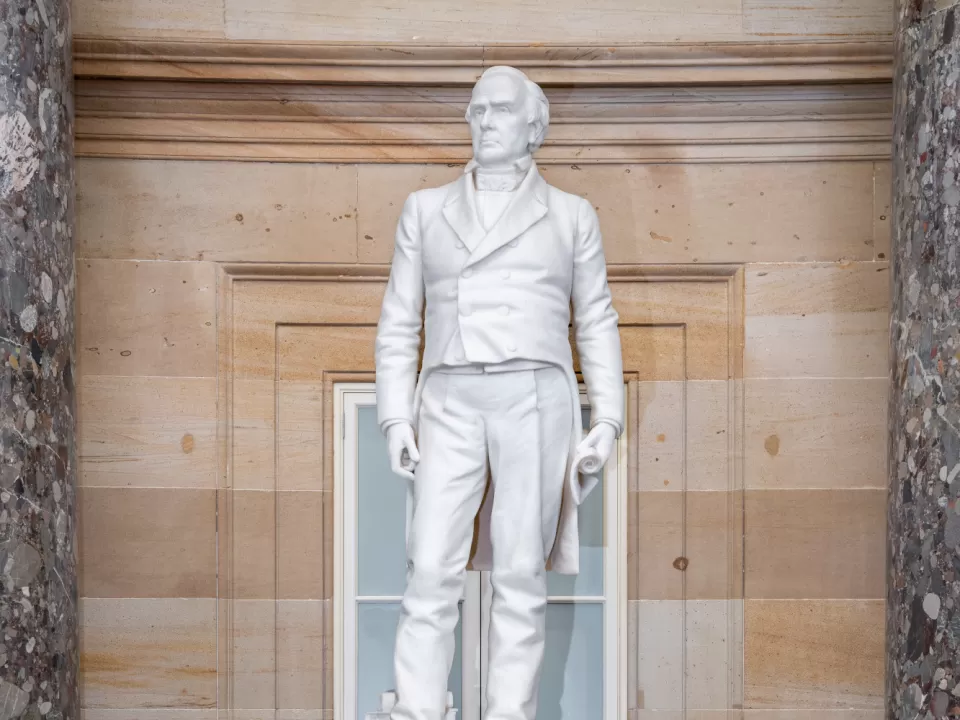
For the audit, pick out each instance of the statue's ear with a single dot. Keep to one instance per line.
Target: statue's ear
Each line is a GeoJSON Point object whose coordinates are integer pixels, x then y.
{"type": "Point", "coordinates": [533, 131]}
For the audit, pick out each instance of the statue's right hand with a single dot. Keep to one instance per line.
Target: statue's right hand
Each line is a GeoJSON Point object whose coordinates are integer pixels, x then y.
{"type": "Point", "coordinates": [402, 448]}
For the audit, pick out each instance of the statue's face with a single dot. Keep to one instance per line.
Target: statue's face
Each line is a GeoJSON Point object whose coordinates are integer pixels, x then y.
{"type": "Point", "coordinates": [499, 122]}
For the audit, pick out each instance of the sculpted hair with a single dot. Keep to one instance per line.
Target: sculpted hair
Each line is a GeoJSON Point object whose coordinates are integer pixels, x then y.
{"type": "Point", "coordinates": [538, 106]}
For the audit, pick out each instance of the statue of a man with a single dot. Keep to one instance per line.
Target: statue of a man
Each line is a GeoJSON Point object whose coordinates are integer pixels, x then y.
{"type": "Point", "coordinates": [490, 434]}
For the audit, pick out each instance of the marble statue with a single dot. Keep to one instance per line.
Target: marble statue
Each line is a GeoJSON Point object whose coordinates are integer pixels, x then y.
{"type": "Point", "coordinates": [489, 433]}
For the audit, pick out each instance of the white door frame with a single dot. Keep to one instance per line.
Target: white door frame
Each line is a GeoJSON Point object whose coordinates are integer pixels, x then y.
{"type": "Point", "coordinates": [348, 397]}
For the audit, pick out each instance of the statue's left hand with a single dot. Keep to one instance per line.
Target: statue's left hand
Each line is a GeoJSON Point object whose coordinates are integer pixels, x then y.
{"type": "Point", "coordinates": [595, 448]}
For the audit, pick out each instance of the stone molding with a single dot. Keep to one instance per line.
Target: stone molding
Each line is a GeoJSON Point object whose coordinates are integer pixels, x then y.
{"type": "Point", "coordinates": [646, 64]}
{"type": "Point", "coordinates": [348, 103]}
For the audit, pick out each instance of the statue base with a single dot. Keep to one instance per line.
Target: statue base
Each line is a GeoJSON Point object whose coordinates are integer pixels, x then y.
{"type": "Point", "coordinates": [389, 699]}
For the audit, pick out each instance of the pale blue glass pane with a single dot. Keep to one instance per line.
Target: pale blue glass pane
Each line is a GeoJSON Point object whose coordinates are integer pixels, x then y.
{"type": "Point", "coordinates": [381, 513]}
{"type": "Point", "coordinates": [376, 637]}
{"type": "Point", "coordinates": [590, 579]}
{"type": "Point", "coordinates": [572, 684]}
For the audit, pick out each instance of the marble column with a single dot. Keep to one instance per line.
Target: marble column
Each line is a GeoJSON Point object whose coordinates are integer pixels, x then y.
{"type": "Point", "coordinates": [39, 653]}
{"type": "Point", "coordinates": [923, 550]}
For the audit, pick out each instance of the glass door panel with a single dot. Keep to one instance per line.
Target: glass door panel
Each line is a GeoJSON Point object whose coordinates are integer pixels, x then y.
{"type": "Point", "coordinates": [381, 503]}
{"type": "Point", "coordinates": [573, 666]}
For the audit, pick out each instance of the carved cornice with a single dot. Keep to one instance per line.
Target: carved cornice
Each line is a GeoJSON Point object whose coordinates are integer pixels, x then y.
{"type": "Point", "coordinates": [351, 103]}
{"type": "Point", "coordinates": [649, 64]}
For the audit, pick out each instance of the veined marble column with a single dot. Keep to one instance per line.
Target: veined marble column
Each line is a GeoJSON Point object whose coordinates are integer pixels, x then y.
{"type": "Point", "coordinates": [39, 653]}
{"type": "Point", "coordinates": [923, 552]}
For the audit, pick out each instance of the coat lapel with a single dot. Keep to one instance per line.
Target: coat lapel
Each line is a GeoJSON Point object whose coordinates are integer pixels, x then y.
{"type": "Point", "coordinates": [527, 207]}
{"type": "Point", "coordinates": [460, 211]}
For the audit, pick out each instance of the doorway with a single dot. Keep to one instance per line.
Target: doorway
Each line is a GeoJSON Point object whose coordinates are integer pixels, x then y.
{"type": "Point", "coordinates": [584, 671]}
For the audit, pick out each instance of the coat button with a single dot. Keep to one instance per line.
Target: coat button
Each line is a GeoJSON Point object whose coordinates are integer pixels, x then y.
{"type": "Point", "coordinates": [459, 246]}
{"type": "Point", "coordinates": [467, 273]}
{"type": "Point", "coordinates": [504, 310]}
{"type": "Point", "coordinates": [505, 274]}
{"type": "Point", "coordinates": [514, 243]}
{"type": "Point", "coordinates": [511, 347]}
{"type": "Point", "coordinates": [465, 310]}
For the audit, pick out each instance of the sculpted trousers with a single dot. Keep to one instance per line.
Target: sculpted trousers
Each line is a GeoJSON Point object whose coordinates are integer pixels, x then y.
{"type": "Point", "coordinates": [516, 426]}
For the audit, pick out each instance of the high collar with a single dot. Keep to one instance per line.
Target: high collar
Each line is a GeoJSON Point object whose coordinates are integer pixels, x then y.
{"type": "Point", "coordinates": [520, 165]}
{"type": "Point", "coordinates": [499, 181]}
{"type": "Point", "coordinates": [505, 179]}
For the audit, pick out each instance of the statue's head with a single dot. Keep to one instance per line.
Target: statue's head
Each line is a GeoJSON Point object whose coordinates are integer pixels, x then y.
{"type": "Point", "coordinates": [508, 115]}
